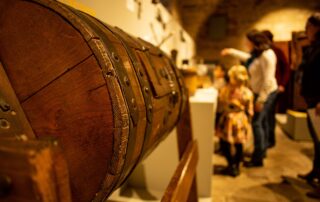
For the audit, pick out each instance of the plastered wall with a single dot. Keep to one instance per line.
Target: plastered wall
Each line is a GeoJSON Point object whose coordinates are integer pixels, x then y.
{"type": "Point", "coordinates": [141, 21]}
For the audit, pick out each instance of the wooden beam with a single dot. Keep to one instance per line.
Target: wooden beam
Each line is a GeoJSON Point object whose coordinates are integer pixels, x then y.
{"type": "Point", "coordinates": [182, 180]}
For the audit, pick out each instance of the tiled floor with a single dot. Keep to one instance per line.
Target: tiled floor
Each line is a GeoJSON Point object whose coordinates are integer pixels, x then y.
{"type": "Point", "coordinates": [266, 184]}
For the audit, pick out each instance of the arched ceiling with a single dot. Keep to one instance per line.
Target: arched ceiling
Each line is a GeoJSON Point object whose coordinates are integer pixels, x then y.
{"type": "Point", "coordinates": [193, 13]}
{"type": "Point", "coordinates": [233, 18]}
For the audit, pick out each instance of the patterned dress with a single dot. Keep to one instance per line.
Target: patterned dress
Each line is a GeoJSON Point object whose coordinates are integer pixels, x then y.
{"type": "Point", "coordinates": [236, 105]}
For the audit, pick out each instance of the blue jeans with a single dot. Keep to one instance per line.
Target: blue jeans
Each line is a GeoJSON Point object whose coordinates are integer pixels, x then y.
{"type": "Point", "coordinates": [272, 103]}
{"type": "Point", "coordinates": [261, 128]}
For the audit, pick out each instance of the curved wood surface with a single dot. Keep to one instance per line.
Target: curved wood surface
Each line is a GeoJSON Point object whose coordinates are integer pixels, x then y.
{"type": "Point", "coordinates": [109, 98]}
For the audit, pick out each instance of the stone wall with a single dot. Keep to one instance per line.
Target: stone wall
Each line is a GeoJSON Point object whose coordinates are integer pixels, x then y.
{"type": "Point", "coordinates": [234, 18]}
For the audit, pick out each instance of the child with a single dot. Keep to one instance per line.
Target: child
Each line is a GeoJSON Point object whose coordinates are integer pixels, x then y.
{"type": "Point", "coordinates": [219, 77]}
{"type": "Point", "coordinates": [234, 125]}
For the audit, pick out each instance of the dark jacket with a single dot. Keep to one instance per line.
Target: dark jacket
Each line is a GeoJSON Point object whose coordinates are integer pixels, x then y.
{"type": "Point", "coordinates": [310, 67]}
{"type": "Point", "coordinates": [282, 69]}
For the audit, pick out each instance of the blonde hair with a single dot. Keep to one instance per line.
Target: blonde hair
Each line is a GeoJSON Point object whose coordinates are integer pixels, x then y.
{"type": "Point", "coordinates": [239, 73]}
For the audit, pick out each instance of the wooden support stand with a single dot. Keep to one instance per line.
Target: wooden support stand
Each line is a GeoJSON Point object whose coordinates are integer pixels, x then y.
{"type": "Point", "coordinates": [182, 186]}
{"type": "Point", "coordinates": [49, 179]}
{"type": "Point", "coordinates": [33, 171]}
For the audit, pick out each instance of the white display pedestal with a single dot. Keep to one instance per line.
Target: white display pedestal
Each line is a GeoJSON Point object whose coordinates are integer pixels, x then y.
{"type": "Point", "coordinates": [203, 109]}
{"type": "Point", "coordinates": [151, 177]}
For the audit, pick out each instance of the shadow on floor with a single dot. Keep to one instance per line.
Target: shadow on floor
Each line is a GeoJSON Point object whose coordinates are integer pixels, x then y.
{"type": "Point", "coordinates": [290, 189]}
{"type": "Point", "coordinates": [143, 194]}
{"type": "Point", "coordinates": [139, 189]}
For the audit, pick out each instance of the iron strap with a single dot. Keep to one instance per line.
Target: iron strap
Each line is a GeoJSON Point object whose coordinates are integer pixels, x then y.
{"type": "Point", "coordinates": [182, 87]}
{"type": "Point", "coordinates": [118, 64]}
{"type": "Point", "coordinates": [144, 84]}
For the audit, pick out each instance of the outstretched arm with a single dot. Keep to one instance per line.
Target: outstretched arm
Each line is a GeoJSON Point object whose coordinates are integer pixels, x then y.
{"type": "Point", "coordinates": [243, 56]}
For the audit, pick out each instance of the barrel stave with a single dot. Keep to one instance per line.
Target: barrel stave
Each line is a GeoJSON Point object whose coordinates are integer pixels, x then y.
{"type": "Point", "coordinates": [109, 99]}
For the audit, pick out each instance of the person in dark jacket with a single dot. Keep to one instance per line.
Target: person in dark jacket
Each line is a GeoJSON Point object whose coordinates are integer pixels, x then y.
{"type": "Point", "coordinates": [310, 67]}
{"type": "Point", "coordinates": [282, 77]}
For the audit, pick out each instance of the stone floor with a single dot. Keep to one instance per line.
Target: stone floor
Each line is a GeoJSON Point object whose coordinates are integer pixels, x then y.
{"type": "Point", "coordinates": [266, 184]}
{"type": "Point", "coordinates": [287, 158]}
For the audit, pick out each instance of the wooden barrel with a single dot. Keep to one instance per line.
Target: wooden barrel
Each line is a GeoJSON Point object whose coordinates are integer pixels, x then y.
{"type": "Point", "coordinates": [108, 98]}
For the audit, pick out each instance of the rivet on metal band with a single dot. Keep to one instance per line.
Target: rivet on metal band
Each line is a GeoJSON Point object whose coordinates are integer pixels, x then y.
{"type": "Point", "coordinates": [4, 124]}
{"type": "Point", "coordinates": [115, 56]}
{"type": "Point", "coordinates": [126, 81]}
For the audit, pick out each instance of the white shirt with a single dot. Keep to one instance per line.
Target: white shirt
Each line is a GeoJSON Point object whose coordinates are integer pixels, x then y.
{"type": "Point", "coordinates": [262, 72]}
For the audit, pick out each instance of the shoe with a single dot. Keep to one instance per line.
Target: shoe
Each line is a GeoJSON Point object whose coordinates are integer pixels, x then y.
{"type": "Point", "coordinates": [314, 183]}
{"type": "Point", "coordinates": [309, 176]}
{"type": "Point", "coordinates": [231, 171]}
{"type": "Point", "coordinates": [311, 179]}
{"type": "Point", "coordinates": [314, 194]}
{"type": "Point", "coordinates": [251, 164]}
{"type": "Point", "coordinates": [235, 171]}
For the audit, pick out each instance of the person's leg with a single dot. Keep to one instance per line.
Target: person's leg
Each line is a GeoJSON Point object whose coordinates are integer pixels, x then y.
{"type": "Point", "coordinates": [260, 126]}
{"type": "Point", "coordinates": [228, 150]}
{"type": "Point", "coordinates": [225, 147]}
{"type": "Point", "coordinates": [316, 143]}
{"type": "Point", "coordinates": [270, 122]}
{"type": "Point", "coordinates": [238, 155]}
{"type": "Point", "coordinates": [259, 138]}
{"type": "Point", "coordinates": [233, 168]}
{"type": "Point", "coordinates": [272, 119]}
{"type": "Point", "coordinates": [313, 177]}
{"type": "Point", "coordinates": [266, 129]}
